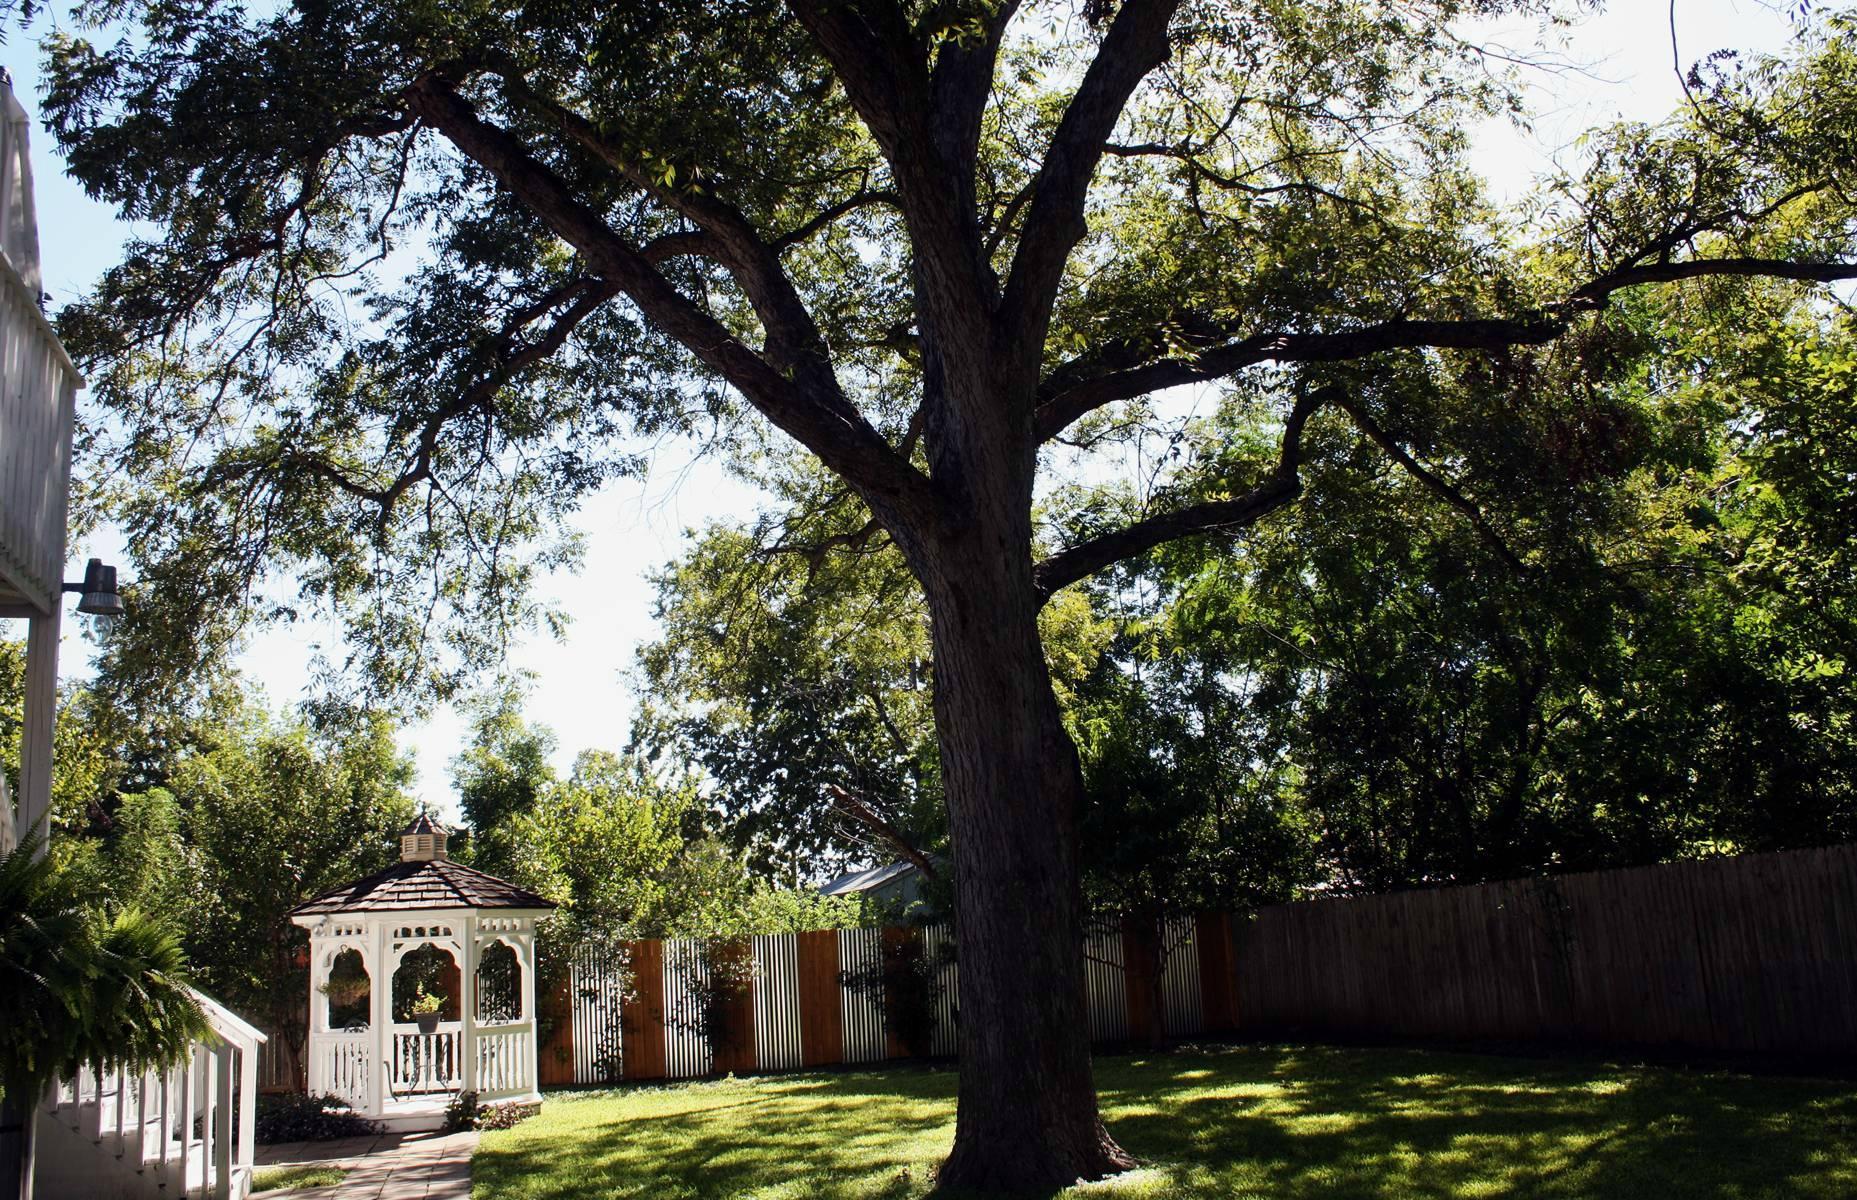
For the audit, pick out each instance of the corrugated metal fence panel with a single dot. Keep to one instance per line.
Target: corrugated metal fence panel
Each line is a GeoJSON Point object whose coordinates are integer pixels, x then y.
{"type": "Point", "coordinates": [686, 1051]}
{"type": "Point", "coordinates": [937, 941]}
{"type": "Point", "coordinates": [777, 1002]}
{"type": "Point", "coordinates": [1183, 1010]}
{"type": "Point", "coordinates": [860, 952]}
{"type": "Point", "coordinates": [1108, 986]}
{"type": "Point", "coordinates": [597, 989]}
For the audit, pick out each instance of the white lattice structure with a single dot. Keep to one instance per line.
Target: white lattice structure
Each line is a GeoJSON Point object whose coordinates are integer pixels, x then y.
{"type": "Point", "coordinates": [404, 1072]}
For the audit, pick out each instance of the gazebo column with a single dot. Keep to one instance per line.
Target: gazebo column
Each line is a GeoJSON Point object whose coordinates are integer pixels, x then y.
{"type": "Point", "coordinates": [318, 1014]}
{"type": "Point", "coordinates": [525, 959]}
{"type": "Point", "coordinates": [467, 1004]}
{"type": "Point", "coordinates": [380, 1009]}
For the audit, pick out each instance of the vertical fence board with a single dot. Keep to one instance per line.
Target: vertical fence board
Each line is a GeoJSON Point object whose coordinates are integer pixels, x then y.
{"type": "Point", "coordinates": [737, 1044]}
{"type": "Point", "coordinates": [554, 1060]}
{"type": "Point", "coordinates": [821, 1014]}
{"type": "Point", "coordinates": [1746, 955]}
{"type": "Point", "coordinates": [860, 952]}
{"type": "Point", "coordinates": [1107, 979]}
{"type": "Point", "coordinates": [687, 1052]}
{"type": "Point", "coordinates": [642, 1012]}
{"type": "Point", "coordinates": [938, 943]}
{"type": "Point", "coordinates": [1218, 979]}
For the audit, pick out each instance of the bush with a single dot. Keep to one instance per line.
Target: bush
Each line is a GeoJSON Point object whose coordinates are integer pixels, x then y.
{"type": "Point", "coordinates": [308, 1119]}
{"type": "Point", "coordinates": [466, 1113]}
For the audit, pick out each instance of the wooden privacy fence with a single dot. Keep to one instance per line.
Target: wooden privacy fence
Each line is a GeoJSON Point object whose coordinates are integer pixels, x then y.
{"type": "Point", "coordinates": [1756, 954]}
{"type": "Point", "coordinates": [683, 1008]}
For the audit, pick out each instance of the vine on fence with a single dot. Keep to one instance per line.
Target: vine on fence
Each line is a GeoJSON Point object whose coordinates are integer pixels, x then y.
{"type": "Point", "coordinates": [715, 976]}
{"type": "Point", "coordinates": [906, 986]}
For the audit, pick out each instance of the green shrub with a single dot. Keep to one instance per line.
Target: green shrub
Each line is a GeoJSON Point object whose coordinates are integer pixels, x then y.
{"type": "Point", "coordinates": [466, 1113]}
{"type": "Point", "coordinates": [295, 1118]}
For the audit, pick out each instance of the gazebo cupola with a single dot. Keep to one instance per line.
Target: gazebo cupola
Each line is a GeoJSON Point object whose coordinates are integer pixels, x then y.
{"type": "Point", "coordinates": [423, 840]}
{"type": "Point", "coordinates": [422, 985]}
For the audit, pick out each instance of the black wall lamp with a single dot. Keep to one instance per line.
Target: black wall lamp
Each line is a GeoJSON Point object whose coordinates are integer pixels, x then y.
{"type": "Point", "coordinates": [98, 596]}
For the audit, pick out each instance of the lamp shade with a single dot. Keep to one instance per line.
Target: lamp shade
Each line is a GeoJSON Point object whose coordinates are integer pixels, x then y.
{"type": "Point", "coordinates": [99, 598]}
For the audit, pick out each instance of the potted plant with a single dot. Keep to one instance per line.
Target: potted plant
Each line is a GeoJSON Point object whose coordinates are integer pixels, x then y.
{"type": "Point", "coordinates": [425, 1009]}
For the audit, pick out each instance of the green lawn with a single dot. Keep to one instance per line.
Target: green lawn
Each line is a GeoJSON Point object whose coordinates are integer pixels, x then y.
{"type": "Point", "coordinates": [1280, 1122]}
{"type": "Point", "coordinates": [307, 1175]}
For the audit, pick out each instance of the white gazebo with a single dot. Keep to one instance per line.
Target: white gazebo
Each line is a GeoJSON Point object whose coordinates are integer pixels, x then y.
{"type": "Point", "coordinates": [396, 1066]}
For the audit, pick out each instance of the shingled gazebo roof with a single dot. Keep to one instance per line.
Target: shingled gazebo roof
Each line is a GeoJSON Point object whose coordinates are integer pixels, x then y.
{"type": "Point", "coordinates": [432, 883]}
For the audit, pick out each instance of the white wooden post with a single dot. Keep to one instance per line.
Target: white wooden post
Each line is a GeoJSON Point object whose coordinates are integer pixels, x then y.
{"type": "Point", "coordinates": [525, 958]}
{"type": "Point", "coordinates": [141, 1119]}
{"type": "Point", "coordinates": [222, 1124]}
{"type": "Point", "coordinates": [186, 1117]}
{"type": "Point", "coordinates": [35, 751]}
{"type": "Point", "coordinates": [248, 1104]}
{"type": "Point", "coordinates": [467, 1004]}
{"type": "Point", "coordinates": [318, 1020]}
{"type": "Point", "coordinates": [380, 1005]}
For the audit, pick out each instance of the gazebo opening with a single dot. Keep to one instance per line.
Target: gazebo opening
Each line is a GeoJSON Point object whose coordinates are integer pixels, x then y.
{"type": "Point", "coordinates": [499, 985]}
{"type": "Point", "coordinates": [426, 973]}
{"type": "Point", "coordinates": [346, 994]}
{"type": "Point", "coordinates": [399, 1051]}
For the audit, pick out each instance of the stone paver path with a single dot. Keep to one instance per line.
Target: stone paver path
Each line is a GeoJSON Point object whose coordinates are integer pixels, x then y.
{"type": "Point", "coordinates": [392, 1166]}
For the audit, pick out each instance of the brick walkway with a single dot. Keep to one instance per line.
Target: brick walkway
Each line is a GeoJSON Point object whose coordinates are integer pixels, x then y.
{"type": "Point", "coordinates": [393, 1166]}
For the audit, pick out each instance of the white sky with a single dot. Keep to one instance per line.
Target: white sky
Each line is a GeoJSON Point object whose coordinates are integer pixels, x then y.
{"type": "Point", "coordinates": [636, 526]}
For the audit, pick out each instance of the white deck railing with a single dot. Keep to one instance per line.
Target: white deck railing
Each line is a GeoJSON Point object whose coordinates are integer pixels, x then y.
{"type": "Point", "coordinates": [184, 1132]}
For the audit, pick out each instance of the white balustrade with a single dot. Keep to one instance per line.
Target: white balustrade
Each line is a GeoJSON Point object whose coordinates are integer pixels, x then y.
{"type": "Point", "coordinates": [339, 1066]}
{"type": "Point", "coordinates": [503, 1059]}
{"type": "Point", "coordinates": [422, 1063]}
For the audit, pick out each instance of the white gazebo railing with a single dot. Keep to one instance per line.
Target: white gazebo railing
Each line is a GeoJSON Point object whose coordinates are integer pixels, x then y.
{"type": "Point", "coordinates": [338, 1066]}
{"type": "Point", "coordinates": [505, 1066]}
{"type": "Point", "coordinates": [185, 1132]}
{"type": "Point", "coordinates": [424, 1061]}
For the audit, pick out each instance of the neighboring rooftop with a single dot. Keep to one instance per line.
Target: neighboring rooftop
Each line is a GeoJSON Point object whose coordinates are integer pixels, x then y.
{"type": "Point", "coordinates": [867, 880]}
{"type": "Point", "coordinates": [430, 883]}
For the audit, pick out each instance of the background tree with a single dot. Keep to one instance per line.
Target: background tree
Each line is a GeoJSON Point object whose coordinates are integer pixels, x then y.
{"type": "Point", "coordinates": [922, 241]}
{"type": "Point", "coordinates": [624, 848]}
{"type": "Point", "coordinates": [217, 820]}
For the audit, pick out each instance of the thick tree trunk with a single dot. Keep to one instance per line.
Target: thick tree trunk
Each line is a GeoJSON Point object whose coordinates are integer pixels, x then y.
{"type": "Point", "coordinates": [1027, 1118]}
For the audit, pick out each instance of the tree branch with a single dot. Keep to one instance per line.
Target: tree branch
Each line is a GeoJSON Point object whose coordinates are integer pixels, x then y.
{"type": "Point", "coordinates": [883, 66]}
{"type": "Point", "coordinates": [1135, 45]}
{"type": "Point", "coordinates": [825, 424]}
{"type": "Point", "coordinates": [1068, 402]}
{"type": "Point", "coordinates": [1431, 479]}
{"type": "Point", "coordinates": [849, 204]}
{"type": "Point", "coordinates": [848, 803]}
{"type": "Point", "coordinates": [1073, 390]}
{"type": "Point", "coordinates": [1277, 489]}
{"type": "Point", "coordinates": [794, 344]}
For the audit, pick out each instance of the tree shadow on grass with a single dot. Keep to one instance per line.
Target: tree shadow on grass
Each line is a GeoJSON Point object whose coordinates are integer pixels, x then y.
{"type": "Point", "coordinates": [1287, 1123]}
